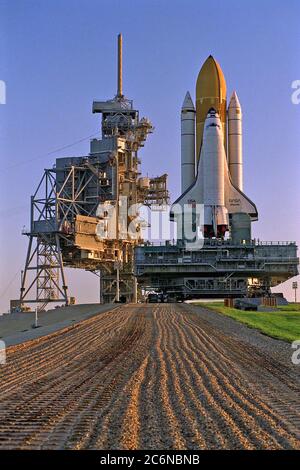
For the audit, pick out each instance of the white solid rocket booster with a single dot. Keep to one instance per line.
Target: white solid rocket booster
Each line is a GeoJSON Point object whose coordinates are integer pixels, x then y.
{"type": "Point", "coordinates": [216, 180]}
{"type": "Point", "coordinates": [213, 186]}
{"type": "Point", "coordinates": [188, 115]}
{"type": "Point", "coordinates": [235, 156]}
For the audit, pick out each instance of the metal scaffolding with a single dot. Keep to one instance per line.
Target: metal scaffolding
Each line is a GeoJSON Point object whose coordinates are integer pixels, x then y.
{"type": "Point", "coordinates": [44, 258]}
{"type": "Point", "coordinates": [45, 261]}
{"type": "Point", "coordinates": [77, 209]}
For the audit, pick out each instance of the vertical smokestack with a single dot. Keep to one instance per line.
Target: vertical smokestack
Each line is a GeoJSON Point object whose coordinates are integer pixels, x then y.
{"type": "Point", "coordinates": [120, 91]}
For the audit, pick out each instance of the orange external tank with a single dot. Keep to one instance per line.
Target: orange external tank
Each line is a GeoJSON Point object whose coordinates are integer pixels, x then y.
{"type": "Point", "coordinates": [210, 93]}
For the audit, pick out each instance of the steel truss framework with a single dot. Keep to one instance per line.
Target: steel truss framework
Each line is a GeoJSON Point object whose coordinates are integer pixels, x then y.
{"type": "Point", "coordinates": [44, 259]}
{"type": "Point", "coordinates": [53, 208]}
{"type": "Point", "coordinates": [113, 291]}
{"type": "Point", "coordinates": [75, 187]}
{"type": "Point", "coordinates": [116, 286]}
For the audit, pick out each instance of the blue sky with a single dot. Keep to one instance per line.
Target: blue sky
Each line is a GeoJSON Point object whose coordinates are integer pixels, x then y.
{"type": "Point", "coordinates": [56, 57]}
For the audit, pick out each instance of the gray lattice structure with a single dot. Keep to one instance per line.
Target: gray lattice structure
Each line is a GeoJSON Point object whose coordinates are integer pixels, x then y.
{"type": "Point", "coordinates": [70, 222]}
{"type": "Point", "coordinates": [72, 189]}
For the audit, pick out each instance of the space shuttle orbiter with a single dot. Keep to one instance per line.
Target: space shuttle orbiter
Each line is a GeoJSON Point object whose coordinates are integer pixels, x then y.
{"type": "Point", "coordinates": [213, 175]}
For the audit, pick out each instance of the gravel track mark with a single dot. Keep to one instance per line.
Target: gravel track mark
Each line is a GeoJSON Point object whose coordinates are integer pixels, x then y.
{"type": "Point", "coordinates": [278, 399]}
{"type": "Point", "coordinates": [255, 428]}
{"type": "Point", "coordinates": [147, 377]}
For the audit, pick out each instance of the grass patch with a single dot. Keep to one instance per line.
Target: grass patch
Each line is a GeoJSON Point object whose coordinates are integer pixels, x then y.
{"type": "Point", "coordinates": [284, 324]}
{"type": "Point", "coordinates": [290, 307]}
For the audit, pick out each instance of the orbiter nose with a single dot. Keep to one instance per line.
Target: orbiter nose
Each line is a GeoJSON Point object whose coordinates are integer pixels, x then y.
{"type": "Point", "coordinates": [212, 120]}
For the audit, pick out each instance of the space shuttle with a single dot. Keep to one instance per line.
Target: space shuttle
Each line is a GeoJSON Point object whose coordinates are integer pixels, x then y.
{"type": "Point", "coordinates": [211, 157]}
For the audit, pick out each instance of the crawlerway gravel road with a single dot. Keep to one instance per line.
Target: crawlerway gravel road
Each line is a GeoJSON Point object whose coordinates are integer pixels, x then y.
{"type": "Point", "coordinates": [162, 376]}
